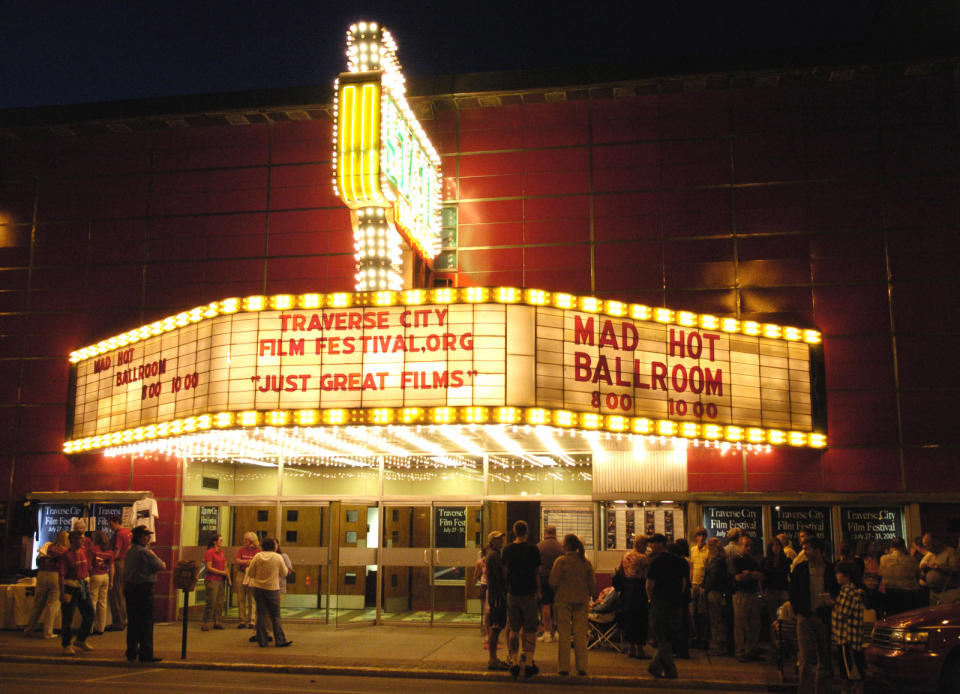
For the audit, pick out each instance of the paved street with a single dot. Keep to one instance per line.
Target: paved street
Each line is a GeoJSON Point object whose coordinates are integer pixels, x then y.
{"type": "Point", "coordinates": [41, 678]}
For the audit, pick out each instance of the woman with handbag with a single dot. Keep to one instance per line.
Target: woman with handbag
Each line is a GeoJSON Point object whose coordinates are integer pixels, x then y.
{"type": "Point", "coordinates": [632, 577]}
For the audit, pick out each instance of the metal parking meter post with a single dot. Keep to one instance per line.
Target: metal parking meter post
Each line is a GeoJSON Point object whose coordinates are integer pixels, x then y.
{"type": "Point", "coordinates": [186, 618]}
{"type": "Point", "coordinates": [185, 577]}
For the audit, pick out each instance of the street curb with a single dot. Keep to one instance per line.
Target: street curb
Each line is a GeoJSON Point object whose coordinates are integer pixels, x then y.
{"type": "Point", "coordinates": [388, 672]}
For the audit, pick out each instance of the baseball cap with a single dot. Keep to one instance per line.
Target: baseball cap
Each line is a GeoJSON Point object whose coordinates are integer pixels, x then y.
{"type": "Point", "coordinates": [142, 530]}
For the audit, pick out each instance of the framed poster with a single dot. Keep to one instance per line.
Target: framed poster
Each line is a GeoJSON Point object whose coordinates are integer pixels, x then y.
{"type": "Point", "coordinates": [792, 519]}
{"type": "Point", "coordinates": [719, 519]}
{"type": "Point", "coordinates": [877, 524]}
{"type": "Point", "coordinates": [57, 517]}
{"type": "Point", "coordinates": [208, 526]}
{"type": "Point", "coordinates": [449, 530]}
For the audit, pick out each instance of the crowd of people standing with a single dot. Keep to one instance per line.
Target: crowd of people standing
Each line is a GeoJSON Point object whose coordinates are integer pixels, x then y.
{"type": "Point", "coordinates": [82, 573]}
{"type": "Point", "coordinates": [712, 593]}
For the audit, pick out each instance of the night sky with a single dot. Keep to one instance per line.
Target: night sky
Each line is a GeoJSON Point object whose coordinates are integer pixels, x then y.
{"type": "Point", "coordinates": [58, 52]}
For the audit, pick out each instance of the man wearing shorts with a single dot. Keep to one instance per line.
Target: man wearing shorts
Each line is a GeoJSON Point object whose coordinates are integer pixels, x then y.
{"type": "Point", "coordinates": [496, 598]}
{"type": "Point", "coordinates": [550, 549]}
{"type": "Point", "coordinates": [522, 561]}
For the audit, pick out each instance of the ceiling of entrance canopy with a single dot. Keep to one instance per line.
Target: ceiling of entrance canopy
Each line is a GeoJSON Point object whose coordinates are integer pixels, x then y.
{"type": "Point", "coordinates": [537, 445]}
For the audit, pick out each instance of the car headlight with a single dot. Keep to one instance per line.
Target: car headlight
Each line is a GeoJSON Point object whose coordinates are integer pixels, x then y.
{"type": "Point", "coordinates": [908, 636]}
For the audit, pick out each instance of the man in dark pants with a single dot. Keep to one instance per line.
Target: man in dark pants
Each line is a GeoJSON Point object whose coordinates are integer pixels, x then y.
{"type": "Point", "coordinates": [666, 582]}
{"type": "Point", "coordinates": [139, 577]}
{"type": "Point", "coordinates": [74, 567]}
{"type": "Point", "coordinates": [522, 561]}
{"type": "Point", "coordinates": [813, 588]}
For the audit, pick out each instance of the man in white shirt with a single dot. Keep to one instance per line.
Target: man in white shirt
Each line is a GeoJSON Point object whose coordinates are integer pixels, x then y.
{"type": "Point", "coordinates": [900, 574]}
{"type": "Point", "coordinates": [940, 568]}
{"type": "Point", "coordinates": [264, 574]}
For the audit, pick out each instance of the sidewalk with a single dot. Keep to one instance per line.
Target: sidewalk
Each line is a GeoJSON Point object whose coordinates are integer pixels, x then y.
{"type": "Point", "coordinates": [389, 651]}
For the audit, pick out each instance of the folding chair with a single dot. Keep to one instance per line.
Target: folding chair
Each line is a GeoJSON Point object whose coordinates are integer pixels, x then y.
{"type": "Point", "coordinates": [603, 630]}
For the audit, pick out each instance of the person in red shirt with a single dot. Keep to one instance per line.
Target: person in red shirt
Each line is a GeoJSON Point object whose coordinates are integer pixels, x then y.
{"type": "Point", "coordinates": [120, 545]}
{"type": "Point", "coordinates": [101, 576]}
{"type": "Point", "coordinates": [74, 594]}
{"type": "Point", "coordinates": [215, 581]}
{"type": "Point", "coordinates": [251, 546]}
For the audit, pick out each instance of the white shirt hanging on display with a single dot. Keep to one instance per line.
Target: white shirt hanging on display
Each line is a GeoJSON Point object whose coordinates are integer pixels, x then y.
{"type": "Point", "coordinates": [145, 514]}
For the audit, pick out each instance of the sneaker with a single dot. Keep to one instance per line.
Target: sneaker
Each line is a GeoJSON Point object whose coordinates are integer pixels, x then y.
{"type": "Point", "coordinates": [83, 646]}
{"type": "Point", "coordinates": [515, 672]}
{"type": "Point", "coordinates": [69, 650]}
{"type": "Point", "coordinates": [530, 670]}
{"type": "Point", "coordinates": [498, 665]}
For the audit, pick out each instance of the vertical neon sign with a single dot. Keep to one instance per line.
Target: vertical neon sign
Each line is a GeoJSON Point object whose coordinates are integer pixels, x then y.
{"type": "Point", "coordinates": [385, 168]}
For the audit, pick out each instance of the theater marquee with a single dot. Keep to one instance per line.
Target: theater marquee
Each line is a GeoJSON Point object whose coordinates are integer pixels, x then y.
{"type": "Point", "coordinates": [471, 355]}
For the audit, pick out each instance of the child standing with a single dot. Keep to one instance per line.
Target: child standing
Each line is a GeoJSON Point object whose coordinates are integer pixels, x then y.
{"type": "Point", "coordinates": [847, 625]}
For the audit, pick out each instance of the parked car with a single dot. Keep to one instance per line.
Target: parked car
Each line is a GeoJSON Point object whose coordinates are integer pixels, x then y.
{"type": "Point", "coordinates": [918, 650]}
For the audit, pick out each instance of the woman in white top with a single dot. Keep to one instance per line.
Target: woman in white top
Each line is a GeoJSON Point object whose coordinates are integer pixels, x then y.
{"type": "Point", "coordinates": [264, 574]}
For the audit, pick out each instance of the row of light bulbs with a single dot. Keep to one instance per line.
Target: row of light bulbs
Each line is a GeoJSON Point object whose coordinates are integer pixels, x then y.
{"type": "Point", "coordinates": [385, 416]}
{"type": "Point", "coordinates": [450, 295]}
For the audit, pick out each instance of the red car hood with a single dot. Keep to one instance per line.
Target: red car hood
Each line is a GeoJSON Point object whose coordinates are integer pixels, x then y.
{"type": "Point", "coordinates": [925, 617]}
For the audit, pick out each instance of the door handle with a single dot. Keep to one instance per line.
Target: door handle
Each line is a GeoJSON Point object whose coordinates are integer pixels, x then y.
{"type": "Point", "coordinates": [426, 557]}
{"type": "Point", "coordinates": [436, 556]}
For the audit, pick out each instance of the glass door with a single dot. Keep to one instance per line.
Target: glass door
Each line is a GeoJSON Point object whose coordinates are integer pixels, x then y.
{"type": "Point", "coordinates": [405, 556]}
{"type": "Point", "coordinates": [458, 536]}
{"type": "Point", "coordinates": [428, 557]}
{"type": "Point", "coordinates": [352, 599]}
{"type": "Point", "coordinates": [304, 537]}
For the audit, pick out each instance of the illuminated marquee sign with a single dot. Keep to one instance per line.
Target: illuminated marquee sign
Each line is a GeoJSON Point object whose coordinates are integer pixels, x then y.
{"type": "Point", "coordinates": [385, 168]}
{"type": "Point", "coordinates": [474, 353]}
